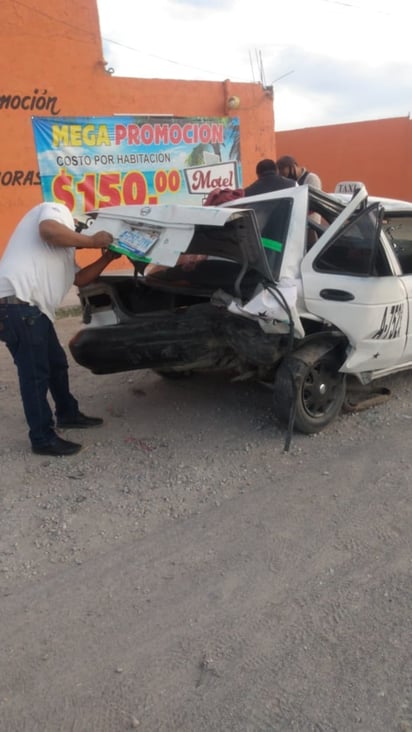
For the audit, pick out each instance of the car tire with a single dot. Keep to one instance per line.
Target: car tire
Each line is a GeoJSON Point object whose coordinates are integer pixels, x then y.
{"type": "Point", "coordinates": [319, 390]}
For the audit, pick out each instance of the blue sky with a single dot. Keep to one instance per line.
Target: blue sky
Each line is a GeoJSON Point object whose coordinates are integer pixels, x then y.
{"type": "Point", "coordinates": [329, 61]}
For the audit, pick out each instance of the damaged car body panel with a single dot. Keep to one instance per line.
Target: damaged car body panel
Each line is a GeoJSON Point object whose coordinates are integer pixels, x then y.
{"type": "Point", "coordinates": [214, 231]}
{"type": "Point", "coordinates": [295, 288]}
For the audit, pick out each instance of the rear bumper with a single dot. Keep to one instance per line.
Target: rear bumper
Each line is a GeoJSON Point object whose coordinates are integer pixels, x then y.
{"type": "Point", "coordinates": [153, 341]}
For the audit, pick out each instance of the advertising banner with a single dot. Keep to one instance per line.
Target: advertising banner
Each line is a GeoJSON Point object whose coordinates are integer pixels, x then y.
{"type": "Point", "coordinates": [89, 163]}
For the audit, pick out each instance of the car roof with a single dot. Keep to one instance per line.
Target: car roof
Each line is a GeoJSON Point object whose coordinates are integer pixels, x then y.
{"type": "Point", "coordinates": [389, 204]}
{"type": "Point", "coordinates": [344, 191]}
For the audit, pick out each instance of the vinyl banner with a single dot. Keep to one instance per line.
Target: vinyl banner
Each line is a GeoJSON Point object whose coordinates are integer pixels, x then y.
{"type": "Point", "coordinates": [94, 162]}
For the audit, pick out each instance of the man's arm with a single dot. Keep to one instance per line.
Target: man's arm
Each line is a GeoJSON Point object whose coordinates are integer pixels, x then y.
{"type": "Point", "coordinates": [59, 235]}
{"type": "Point", "coordinates": [88, 274]}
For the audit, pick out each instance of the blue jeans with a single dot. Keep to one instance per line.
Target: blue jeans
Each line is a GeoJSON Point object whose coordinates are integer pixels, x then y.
{"type": "Point", "coordinates": [41, 365]}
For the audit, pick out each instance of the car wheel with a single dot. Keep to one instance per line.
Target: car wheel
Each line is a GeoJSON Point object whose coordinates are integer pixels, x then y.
{"type": "Point", "coordinates": [319, 390]}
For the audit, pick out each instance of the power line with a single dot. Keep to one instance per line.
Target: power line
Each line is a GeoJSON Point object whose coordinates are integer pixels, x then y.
{"type": "Point", "coordinates": [160, 58]}
{"type": "Point", "coordinates": [107, 40]}
{"type": "Point", "coordinates": [116, 43]}
{"type": "Point", "coordinates": [354, 7]}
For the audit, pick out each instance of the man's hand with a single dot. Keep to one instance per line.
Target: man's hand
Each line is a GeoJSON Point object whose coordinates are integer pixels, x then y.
{"type": "Point", "coordinates": [109, 254]}
{"type": "Point", "coordinates": [100, 240]}
{"type": "Point", "coordinates": [59, 235]}
{"type": "Point", "coordinates": [91, 272]}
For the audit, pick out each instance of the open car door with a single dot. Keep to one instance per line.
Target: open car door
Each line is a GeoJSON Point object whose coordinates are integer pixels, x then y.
{"type": "Point", "coordinates": [348, 281]}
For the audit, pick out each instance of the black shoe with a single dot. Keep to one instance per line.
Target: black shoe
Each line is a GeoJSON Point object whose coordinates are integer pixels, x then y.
{"type": "Point", "coordinates": [57, 447]}
{"type": "Point", "coordinates": [79, 421]}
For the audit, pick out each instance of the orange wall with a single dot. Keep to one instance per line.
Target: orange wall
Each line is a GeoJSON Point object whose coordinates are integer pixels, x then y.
{"type": "Point", "coordinates": [54, 50]}
{"type": "Point", "coordinates": [377, 152]}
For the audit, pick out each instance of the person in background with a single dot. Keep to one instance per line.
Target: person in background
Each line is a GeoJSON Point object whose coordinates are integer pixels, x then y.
{"type": "Point", "coordinates": [268, 179]}
{"type": "Point", "coordinates": [36, 272]}
{"type": "Point", "coordinates": [289, 168]}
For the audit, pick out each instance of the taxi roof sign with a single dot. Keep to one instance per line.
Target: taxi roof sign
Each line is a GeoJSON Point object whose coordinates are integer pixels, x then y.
{"type": "Point", "coordinates": [348, 186]}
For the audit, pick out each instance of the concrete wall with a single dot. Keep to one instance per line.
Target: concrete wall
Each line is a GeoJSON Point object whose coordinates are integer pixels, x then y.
{"type": "Point", "coordinates": [377, 152]}
{"type": "Point", "coordinates": [54, 51]}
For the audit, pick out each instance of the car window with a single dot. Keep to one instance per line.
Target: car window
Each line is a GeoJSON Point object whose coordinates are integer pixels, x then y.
{"type": "Point", "coordinates": [355, 250]}
{"type": "Point", "coordinates": [273, 219]}
{"type": "Point", "coordinates": [398, 229]}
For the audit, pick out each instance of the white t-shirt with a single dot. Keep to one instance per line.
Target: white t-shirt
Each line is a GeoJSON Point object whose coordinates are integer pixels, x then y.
{"type": "Point", "coordinates": [33, 270]}
{"type": "Point", "coordinates": [313, 180]}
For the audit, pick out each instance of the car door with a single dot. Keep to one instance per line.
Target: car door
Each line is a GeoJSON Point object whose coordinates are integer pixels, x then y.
{"type": "Point", "coordinates": [348, 281]}
{"type": "Point", "coordinates": [398, 230]}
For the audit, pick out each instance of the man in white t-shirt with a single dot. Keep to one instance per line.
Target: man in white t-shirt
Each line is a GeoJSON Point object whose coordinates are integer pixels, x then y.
{"type": "Point", "coordinates": [36, 271]}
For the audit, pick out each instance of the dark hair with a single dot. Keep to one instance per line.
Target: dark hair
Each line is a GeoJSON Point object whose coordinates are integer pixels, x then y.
{"type": "Point", "coordinates": [286, 161]}
{"type": "Point", "coordinates": [266, 165]}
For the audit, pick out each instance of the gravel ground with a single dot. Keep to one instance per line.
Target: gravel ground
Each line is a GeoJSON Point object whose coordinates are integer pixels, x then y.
{"type": "Point", "coordinates": [184, 573]}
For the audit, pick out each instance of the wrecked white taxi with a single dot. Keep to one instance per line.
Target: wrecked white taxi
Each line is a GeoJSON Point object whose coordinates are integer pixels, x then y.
{"type": "Point", "coordinates": [297, 288]}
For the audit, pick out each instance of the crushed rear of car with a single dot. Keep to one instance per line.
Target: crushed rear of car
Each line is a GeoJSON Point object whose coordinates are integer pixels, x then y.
{"type": "Point", "coordinates": [248, 307]}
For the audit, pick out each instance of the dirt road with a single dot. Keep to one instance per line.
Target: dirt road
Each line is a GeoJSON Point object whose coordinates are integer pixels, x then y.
{"type": "Point", "coordinates": [185, 574]}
